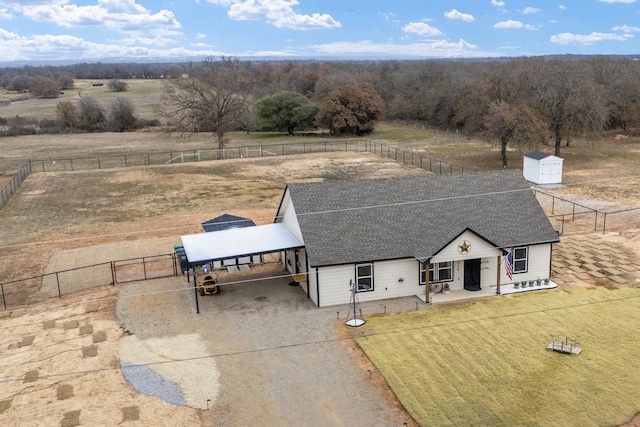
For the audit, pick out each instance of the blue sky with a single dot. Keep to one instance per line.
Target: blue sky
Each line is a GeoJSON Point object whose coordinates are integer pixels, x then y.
{"type": "Point", "coordinates": [150, 30]}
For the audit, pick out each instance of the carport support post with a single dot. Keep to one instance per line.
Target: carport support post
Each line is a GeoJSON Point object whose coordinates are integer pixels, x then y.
{"type": "Point", "coordinates": [195, 290]}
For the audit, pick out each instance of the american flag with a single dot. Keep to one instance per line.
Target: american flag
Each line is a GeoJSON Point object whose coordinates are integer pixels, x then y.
{"type": "Point", "coordinates": [508, 265]}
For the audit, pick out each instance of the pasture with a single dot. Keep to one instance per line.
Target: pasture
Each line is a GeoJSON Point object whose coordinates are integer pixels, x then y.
{"type": "Point", "coordinates": [482, 363]}
{"type": "Point", "coordinates": [143, 93]}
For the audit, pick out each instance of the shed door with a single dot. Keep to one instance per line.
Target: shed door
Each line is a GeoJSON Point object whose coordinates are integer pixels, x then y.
{"type": "Point", "coordinates": [550, 173]}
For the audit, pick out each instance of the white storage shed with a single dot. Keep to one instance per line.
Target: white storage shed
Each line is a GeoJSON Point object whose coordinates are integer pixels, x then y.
{"type": "Point", "coordinates": [542, 168]}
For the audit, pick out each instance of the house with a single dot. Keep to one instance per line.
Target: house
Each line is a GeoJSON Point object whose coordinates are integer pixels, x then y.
{"type": "Point", "coordinates": [393, 237]}
{"type": "Point", "coordinates": [541, 168]}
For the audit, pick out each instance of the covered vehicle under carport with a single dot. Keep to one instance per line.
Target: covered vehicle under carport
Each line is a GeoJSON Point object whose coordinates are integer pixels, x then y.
{"type": "Point", "coordinates": [205, 248]}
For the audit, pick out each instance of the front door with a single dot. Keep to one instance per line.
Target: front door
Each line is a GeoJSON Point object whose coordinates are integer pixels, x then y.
{"type": "Point", "coordinates": [472, 274]}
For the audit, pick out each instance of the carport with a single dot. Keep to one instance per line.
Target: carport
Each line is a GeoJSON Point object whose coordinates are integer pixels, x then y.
{"type": "Point", "coordinates": [205, 248]}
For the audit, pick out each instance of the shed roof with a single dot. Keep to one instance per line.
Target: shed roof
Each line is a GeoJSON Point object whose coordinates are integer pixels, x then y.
{"type": "Point", "coordinates": [226, 221]}
{"type": "Point", "coordinates": [358, 221]}
{"type": "Point", "coordinates": [538, 155]}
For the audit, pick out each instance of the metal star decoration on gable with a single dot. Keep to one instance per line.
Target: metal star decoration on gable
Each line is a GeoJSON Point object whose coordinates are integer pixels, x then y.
{"type": "Point", "coordinates": [464, 247]}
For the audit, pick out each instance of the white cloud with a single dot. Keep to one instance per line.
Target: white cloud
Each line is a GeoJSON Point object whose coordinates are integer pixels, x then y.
{"type": "Point", "coordinates": [530, 10]}
{"type": "Point", "coordinates": [421, 29]}
{"type": "Point", "coordinates": [454, 14]}
{"type": "Point", "coordinates": [124, 16]}
{"type": "Point", "coordinates": [626, 29]}
{"type": "Point", "coordinates": [47, 47]}
{"type": "Point", "coordinates": [618, 1]}
{"type": "Point", "coordinates": [201, 36]}
{"type": "Point", "coordinates": [511, 24]}
{"type": "Point", "coordinates": [439, 48]}
{"type": "Point", "coordinates": [585, 39]}
{"type": "Point", "coordinates": [562, 7]}
{"type": "Point", "coordinates": [5, 14]}
{"type": "Point", "coordinates": [279, 13]}
{"type": "Point", "coordinates": [497, 3]}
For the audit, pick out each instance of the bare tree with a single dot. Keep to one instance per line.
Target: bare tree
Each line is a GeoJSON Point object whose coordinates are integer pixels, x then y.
{"type": "Point", "coordinates": [210, 98]}
{"type": "Point", "coordinates": [45, 88]}
{"type": "Point", "coordinates": [66, 112]}
{"type": "Point", "coordinates": [91, 116]}
{"type": "Point", "coordinates": [508, 123]}
{"type": "Point", "coordinates": [116, 85]}
{"type": "Point", "coordinates": [121, 117]}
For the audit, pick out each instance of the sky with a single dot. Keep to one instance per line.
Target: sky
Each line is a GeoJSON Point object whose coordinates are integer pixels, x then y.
{"type": "Point", "coordinates": [53, 31]}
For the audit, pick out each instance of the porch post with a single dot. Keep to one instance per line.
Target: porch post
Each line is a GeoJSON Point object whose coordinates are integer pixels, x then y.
{"type": "Point", "coordinates": [426, 283]}
{"type": "Point", "coordinates": [498, 281]}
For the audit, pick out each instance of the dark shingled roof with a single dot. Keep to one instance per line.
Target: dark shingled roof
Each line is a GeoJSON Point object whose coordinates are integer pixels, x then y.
{"type": "Point", "coordinates": [226, 221]}
{"type": "Point", "coordinates": [537, 155]}
{"type": "Point", "coordinates": [370, 220]}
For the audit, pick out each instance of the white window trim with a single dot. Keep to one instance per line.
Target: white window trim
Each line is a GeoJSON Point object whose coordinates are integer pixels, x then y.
{"type": "Point", "coordinates": [435, 267]}
{"type": "Point", "coordinates": [525, 259]}
{"type": "Point", "coordinates": [370, 265]}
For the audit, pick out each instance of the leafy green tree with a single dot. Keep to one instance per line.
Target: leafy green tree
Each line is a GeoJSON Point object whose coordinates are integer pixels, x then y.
{"type": "Point", "coordinates": [352, 109]}
{"type": "Point", "coordinates": [286, 111]}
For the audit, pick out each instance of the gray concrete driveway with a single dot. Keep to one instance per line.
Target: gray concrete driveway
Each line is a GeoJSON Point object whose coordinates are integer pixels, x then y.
{"type": "Point", "coordinates": [281, 360]}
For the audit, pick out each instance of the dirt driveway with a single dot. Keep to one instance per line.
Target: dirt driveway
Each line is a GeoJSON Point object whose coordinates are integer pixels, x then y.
{"type": "Point", "coordinates": [280, 360]}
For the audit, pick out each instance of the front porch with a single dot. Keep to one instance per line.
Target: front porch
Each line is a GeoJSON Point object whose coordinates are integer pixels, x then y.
{"type": "Point", "coordinates": [486, 291]}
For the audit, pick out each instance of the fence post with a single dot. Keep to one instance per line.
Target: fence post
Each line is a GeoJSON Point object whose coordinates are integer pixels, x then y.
{"type": "Point", "coordinates": [595, 224]}
{"type": "Point", "coordinates": [58, 283]}
{"type": "Point", "coordinates": [604, 223]}
{"type": "Point", "coordinates": [144, 267]}
{"type": "Point", "coordinates": [4, 301]}
{"type": "Point", "coordinates": [113, 274]}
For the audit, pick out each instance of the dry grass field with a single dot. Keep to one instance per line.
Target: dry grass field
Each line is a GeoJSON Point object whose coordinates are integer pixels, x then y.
{"type": "Point", "coordinates": [55, 212]}
{"type": "Point", "coordinates": [486, 362]}
{"type": "Point", "coordinates": [142, 93]}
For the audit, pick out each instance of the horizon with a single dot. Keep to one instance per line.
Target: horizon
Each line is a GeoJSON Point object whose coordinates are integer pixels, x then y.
{"type": "Point", "coordinates": [47, 32]}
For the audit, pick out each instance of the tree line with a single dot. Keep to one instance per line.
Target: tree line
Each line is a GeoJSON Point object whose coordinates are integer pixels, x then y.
{"type": "Point", "coordinates": [536, 100]}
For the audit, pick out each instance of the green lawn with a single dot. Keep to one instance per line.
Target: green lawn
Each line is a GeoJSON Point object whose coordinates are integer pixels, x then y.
{"type": "Point", "coordinates": [485, 363]}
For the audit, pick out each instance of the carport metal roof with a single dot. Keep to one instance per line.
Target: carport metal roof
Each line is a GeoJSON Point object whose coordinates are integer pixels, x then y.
{"type": "Point", "coordinates": [238, 242]}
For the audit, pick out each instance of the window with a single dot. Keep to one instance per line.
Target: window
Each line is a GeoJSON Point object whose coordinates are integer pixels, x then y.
{"type": "Point", "coordinates": [438, 272]}
{"type": "Point", "coordinates": [520, 256]}
{"type": "Point", "coordinates": [364, 277]}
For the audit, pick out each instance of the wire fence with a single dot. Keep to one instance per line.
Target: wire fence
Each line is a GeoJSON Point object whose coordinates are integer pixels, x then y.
{"type": "Point", "coordinates": [59, 283]}
{"type": "Point", "coordinates": [569, 217]}
{"type": "Point", "coordinates": [209, 154]}
{"type": "Point", "coordinates": [14, 184]}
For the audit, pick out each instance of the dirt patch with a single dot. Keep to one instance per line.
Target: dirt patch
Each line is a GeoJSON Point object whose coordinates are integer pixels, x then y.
{"type": "Point", "coordinates": [64, 379]}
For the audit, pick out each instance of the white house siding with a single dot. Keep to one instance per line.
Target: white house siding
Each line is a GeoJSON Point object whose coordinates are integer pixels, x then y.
{"type": "Point", "coordinates": [538, 265]}
{"type": "Point", "coordinates": [287, 216]}
{"type": "Point", "coordinates": [313, 286]}
{"type": "Point", "coordinates": [335, 280]}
